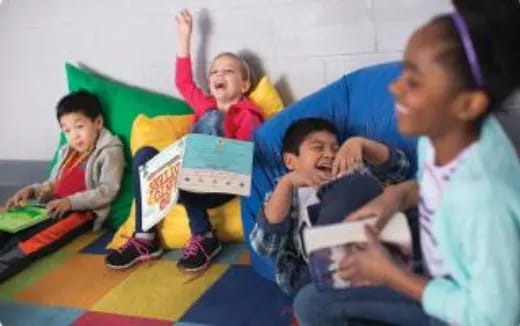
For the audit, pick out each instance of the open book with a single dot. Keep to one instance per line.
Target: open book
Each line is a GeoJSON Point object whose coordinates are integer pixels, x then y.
{"type": "Point", "coordinates": [197, 163]}
{"type": "Point", "coordinates": [21, 218]}
{"type": "Point", "coordinates": [327, 245]}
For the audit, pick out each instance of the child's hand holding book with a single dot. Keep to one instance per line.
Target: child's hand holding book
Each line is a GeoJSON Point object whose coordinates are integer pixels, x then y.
{"type": "Point", "coordinates": [20, 197]}
{"type": "Point", "coordinates": [350, 253]}
{"type": "Point", "coordinates": [373, 264]}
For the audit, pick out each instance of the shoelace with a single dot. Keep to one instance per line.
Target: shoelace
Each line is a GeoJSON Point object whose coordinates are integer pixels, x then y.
{"type": "Point", "coordinates": [193, 246]}
{"type": "Point", "coordinates": [140, 245]}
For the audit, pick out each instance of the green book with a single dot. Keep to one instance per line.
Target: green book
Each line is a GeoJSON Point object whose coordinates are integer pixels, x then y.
{"type": "Point", "coordinates": [17, 219]}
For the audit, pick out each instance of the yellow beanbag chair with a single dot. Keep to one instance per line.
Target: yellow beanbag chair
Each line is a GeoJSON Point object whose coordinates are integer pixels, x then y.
{"type": "Point", "coordinates": [267, 98]}
{"type": "Point", "coordinates": [160, 132]}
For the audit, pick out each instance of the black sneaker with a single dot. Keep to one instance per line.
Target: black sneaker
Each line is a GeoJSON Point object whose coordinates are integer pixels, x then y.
{"type": "Point", "coordinates": [133, 252]}
{"type": "Point", "coordinates": [199, 252]}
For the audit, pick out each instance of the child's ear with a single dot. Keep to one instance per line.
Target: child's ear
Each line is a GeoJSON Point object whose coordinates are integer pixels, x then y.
{"type": "Point", "coordinates": [475, 104]}
{"type": "Point", "coordinates": [98, 122]}
{"type": "Point", "coordinates": [246, 86]}
{"type": "Point", "coordinates": [290, 161]}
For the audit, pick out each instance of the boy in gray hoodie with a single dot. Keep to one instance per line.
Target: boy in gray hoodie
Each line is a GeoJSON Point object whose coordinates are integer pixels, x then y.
{"type": "Point", "coordinates": [79, 191]}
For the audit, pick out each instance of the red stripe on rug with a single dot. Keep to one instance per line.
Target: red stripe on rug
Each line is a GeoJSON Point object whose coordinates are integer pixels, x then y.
{"type": "Point", "coordinates": [92, 318]}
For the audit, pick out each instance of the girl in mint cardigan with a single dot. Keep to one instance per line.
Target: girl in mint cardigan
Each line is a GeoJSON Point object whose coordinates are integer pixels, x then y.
{"type": "Point", "coordinates": [457, 69]}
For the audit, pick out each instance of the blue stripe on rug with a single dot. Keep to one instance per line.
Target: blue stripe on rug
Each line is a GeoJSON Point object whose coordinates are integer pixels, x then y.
{"type": "Point", "coordinates": [98, 246]}
{"type": "Point", "coordinates": [20, 314]}
{"type": "Point", "coordinates": [241, 297]}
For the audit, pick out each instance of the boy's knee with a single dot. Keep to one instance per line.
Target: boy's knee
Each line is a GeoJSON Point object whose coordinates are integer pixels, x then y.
{"type": "Point", "coordinates": [306, 305]}
{"type": "Point", "coordinates": [143, 155]}
{"type": "Point", "coordinates": [335, 206]}
{"type": "Point", "coordinates": [188, 198]}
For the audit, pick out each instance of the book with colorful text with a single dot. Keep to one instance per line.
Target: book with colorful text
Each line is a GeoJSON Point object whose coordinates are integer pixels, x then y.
{"type": "Point", "coordinates": [197, 163]}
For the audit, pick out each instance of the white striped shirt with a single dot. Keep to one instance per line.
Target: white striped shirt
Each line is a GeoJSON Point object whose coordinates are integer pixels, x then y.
{"type": "Point", "coordinates": [434, 180]}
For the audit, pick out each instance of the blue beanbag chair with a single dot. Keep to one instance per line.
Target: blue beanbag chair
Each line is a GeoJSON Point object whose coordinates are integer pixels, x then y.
{"type": "Point", "coordinates": [359, 104]}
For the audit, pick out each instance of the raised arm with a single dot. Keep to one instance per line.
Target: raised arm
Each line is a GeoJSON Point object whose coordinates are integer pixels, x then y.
{"type": "Point", "coordinates": [196, 98]}
{"type": "Point", "coordinates": [184, 29]}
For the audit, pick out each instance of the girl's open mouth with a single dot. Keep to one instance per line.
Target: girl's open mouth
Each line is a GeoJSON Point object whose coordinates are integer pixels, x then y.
{"type": "Point", "coordinates": [219, 85]}
{"type": "Point", "coordinates": [399, 108]}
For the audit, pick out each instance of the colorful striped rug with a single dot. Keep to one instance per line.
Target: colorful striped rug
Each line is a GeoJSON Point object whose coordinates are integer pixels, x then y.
{"type": "Point", "coordinates": [74, 287]}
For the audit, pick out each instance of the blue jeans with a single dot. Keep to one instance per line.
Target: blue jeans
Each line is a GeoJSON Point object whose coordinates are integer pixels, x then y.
{"type": "Point", "coordinates": [196, 204]}
{"type": "Point", "coordinates": [381, 304]}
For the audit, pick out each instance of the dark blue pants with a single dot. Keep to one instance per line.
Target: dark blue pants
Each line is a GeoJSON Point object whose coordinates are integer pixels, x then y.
{"type": "Point", "coordinates": [345, 195]}
{"type": "Point", "coordinates": [196, 204]}
{"type": "Point", "coordinates": [377, 303]}
{"type": "Point", "coordinates": [18, 250]}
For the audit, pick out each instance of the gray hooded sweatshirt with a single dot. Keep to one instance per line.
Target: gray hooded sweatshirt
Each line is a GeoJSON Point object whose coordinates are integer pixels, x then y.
{"type": "Point", "coordinates": [103, 174]}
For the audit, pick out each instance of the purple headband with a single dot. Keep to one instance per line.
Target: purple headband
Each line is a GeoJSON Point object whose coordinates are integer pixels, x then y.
{"type": "Point", "coordinates": [469, 49]}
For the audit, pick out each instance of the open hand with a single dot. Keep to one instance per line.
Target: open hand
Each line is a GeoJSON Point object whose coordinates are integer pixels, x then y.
{"type": "Point", "coordinates": [58, 207]}
{"type": "Point", "coordinates": [20, 197]}
{"type": "Point", "coordinates": [184, 24]}
{"type": "Point", "coordinates": [372, 265]}
{"type": "Point", "coordinates": [349, 156]}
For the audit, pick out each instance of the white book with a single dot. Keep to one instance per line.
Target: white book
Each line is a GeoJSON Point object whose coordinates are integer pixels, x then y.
{"type": "Point", "coordinates": [396, 231]}
{"type": "Point", "coordinates": [196, 163]}
{"type": "Point", "coordinates": [327, 245]}
{"type": "Point", "coordinates": [307, 196]}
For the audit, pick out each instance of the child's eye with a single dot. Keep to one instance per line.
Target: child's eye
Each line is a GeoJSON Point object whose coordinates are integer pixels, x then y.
{"type": "Point", "coordinates": [229, 71]}
{"type": "Point", "coordinates": [213, 72]}
{"type": "Point", "coordinates": [412, 83]}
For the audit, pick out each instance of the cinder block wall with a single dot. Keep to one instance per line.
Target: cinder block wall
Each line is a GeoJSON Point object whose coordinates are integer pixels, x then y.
{"type": "Point", "coordinates": [301, 45]}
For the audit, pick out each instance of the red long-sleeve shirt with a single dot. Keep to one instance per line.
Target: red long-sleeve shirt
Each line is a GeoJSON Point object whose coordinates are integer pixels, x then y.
{"type": "Point", "coordinates": [241, 118]}
{"type": "Point", "coordinates": [71, 178]}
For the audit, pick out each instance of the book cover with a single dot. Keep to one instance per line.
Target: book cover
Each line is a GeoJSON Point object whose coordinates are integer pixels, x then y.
{"type": "Point", "coordinates": [158, 177]}
{"type": "Point", "coordinates": [327, 246]}
{"type": "Point", "coordinates": [21, 218]}
{"type": "Point", "coordinates": [216, 164]}
{"type": "Point", "coordinates": [197, 163]}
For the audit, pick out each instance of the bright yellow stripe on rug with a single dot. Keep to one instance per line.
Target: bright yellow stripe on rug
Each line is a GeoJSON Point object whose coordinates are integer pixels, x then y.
{"type": "Point", "coordinates": [157, 290]}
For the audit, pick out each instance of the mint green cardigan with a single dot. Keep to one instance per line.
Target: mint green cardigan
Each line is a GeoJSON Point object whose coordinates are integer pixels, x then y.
{"type": "Point", "coordinates": [477, 226]}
